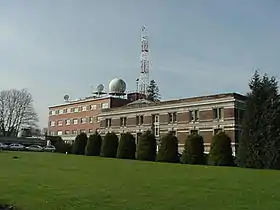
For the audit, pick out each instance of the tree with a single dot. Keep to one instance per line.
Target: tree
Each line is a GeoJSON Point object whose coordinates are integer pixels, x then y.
{"type": "Point", "coordinates": [147, 147]}
{"type": "Point", "coordinates": [127, 146]}
{"type": "Point", "coordinates": [193, 150]}
{"type": "Point", "coordinates": [153, 91]}
{"type": "Point", "coordinates": [16, 111]}
{"type": "Point", "coordinates": [93, 147]}
{"type": "Point", "coordinates": [110, 145]}
{"type": "Point", "coordinates": [80, 144]}
{"type": "Point", "coordinates": [168, 149]}
{"type": "Point", "coordinates": [259, 146]}
{"type": "Point", "coordinates": [221, 152]}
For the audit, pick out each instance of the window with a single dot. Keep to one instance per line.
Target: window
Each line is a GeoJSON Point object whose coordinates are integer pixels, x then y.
{"type": "Point", "coordinates": [218, 113]}
{"type": "Point", "coordinates": [75, 121]}
{"type": "Point", "coordinates": [194, 115]}
{"type": "Point", "coordinates": [59, 133]}
{"type": "Point", "coordinates": [56, 111]}
{"type": "Point", "coordinates": [72, 110]}
{"type": "Point", "coordinates": [74, 132]}
{"type": "Point", "coordinates": [82, 131]}
{"type": "Point", "coordinates": [60, 111]}
{"type": "Point", "coordinates": [194, 131]}
{"type": "Point", "coordinates": [155, 118]}
{"type": "Point", "coordinates": [50, 112]}
{"type": "Point", "coordinates": [139, 120]}
{"type": "Point", "coordinates": [156, 131]}
{"type": "Point", "coordinates": [90, 131]}
{"type": "Point", "coordinates": [217, 130]}
{"type": "Point", "coordinates": [239, 114]}
{"type": "Point", "coordinates": [172, 117]}
{"type": "Point", "coordinates": [104, 106]}
{"type": "Point", "coordinates": [92, 107]}
{"type": "Point", "coordinates": [108, 123]}
{"type": "Point", "coordinates": [52, 123]}
{"type": "Point", "coordinates": [67, 132]}
{"type": "Point", "coordinates": [84, 108]}
{"type": "Point", "coordinates": [83, 120]}
{"type": "Point", "coordinates": [67, 122]}
{"type": "Point", "coordinates": [123, 121]}
{"type": "Point", "coordinates": [90, 119]}
{"type": "Point", "coordinates": [64, 111]}
{"type": "Point", "coordinates": [59, 122]}
{"type": "Point", "coordinates": [76, 109]}
{"type": "Point", "coordinates": [99, 119]}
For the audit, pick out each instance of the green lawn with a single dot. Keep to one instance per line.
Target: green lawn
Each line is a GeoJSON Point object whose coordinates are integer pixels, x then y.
{"type": "Point", "coordinates": [46, 181]}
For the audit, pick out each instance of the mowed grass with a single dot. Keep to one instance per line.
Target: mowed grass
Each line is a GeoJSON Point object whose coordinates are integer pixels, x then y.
{"type": "Point", "coordinates": [46, 181]}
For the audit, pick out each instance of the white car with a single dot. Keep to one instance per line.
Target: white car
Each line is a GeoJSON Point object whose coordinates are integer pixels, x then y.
{"type": "Point", "coordinates": [49, 148]}
{"type": "Point", "coordinates": [16, 147]}
{"type": "Point", "coordinates": [34, 148]}
{"type": "Point", "coordinates": [3, 146]}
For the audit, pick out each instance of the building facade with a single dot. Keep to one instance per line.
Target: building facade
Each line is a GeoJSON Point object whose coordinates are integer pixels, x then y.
{"type": "Point", "coordinates": [71, 118]}
{"type": "Point", "coordinates": [205, 115]}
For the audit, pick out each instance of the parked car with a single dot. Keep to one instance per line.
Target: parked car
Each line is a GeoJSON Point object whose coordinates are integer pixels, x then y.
{"type": "Point", "coordinates": [16, 147]}
{"type": "Point", "coordinates": [34, 148]}
{"type": "Point", "coordinates": [49, 148]}
{"type": "Point", "coordinates": [3, 146]}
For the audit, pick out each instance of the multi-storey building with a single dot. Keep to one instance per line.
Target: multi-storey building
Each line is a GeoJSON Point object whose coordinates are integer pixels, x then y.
{"type": "Point", "coordinates": [70, 118]}
{"type": "Point", "coordinates": [205, 115]}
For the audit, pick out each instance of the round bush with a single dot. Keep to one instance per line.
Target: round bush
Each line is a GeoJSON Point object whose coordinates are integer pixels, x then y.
{"type": "Point", "coordinates": [221, 151]}
{"type": "Point", "coordinates": [93, 147]}
{"type": "Point", "coordinates": [147, 147]}
{"type": "Point", "coordinates": [168, 149]}
{"type": "Point", "coordinates": [127, 146]}
{"type": "Point", "coordinates": [109, 145]}
{"type": "Point", "coordinates": [80, 144]}
{"type": "Point", "coordinates": [193, 150]}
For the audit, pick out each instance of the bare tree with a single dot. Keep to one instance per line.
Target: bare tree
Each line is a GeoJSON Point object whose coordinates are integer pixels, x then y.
{"type": "Point", "coordinates": [16, 111]}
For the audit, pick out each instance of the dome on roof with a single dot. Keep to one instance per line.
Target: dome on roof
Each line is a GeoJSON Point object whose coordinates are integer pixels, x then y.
{"type": "Point", "coordinates": [117, 86]}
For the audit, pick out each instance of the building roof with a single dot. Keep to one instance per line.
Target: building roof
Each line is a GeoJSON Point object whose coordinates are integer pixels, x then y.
{"type": "Point", "coordinates": [145, 103]}
{"type": "Point", "coordinates": [83, 100]}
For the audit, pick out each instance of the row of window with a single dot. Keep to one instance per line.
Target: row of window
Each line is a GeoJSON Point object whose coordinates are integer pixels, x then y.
{"type": "Point", "coordinates": [78, 109]}
{"type": "Point", "coordinates": [68, 132]}
{"type": "Point", "coordinates": [218, 114]}
{"type": "Point", "coordinates": [74, 121]}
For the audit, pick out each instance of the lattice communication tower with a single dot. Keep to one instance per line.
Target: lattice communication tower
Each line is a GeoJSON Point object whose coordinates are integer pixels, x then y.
{"type": "Point", "coordinates": [143, 81]}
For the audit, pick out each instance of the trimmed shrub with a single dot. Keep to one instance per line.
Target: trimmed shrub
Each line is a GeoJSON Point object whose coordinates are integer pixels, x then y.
{"type": "Point", "coordinates": [127, 146]}
{"type": "Point", "coordinates": [80, 144]}
{"type": "Point", "coordinates": [221, 151]}
{"type": "Point", "coordinates": [194, 150]}
{"type": "Point", "coordinates": [93, 147]}
{"type": "Point", "coordinates": [110, 145]}
{"type": "Point", "coordinates": [168, 149]}
{"type": "Point", "coordinates": [62, 147]}
{"type": "Point", "coordinates": [147, 147]}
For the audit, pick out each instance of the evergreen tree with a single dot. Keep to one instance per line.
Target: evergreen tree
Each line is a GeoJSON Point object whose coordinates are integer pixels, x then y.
{"type": "Point", "coordinates": [168, 149]}
{"type": "Point", "coordinates": [110, 145]}
{"type": "Point", "coordinates": [153, 91]}
{"type": "Point", "coordinates": [147, 147]}
{"type": "Point", "coordinates": [127, 146]}
{"type": "Point", "coordinates": [193, 150]}
{"type": "Point", "coordinates": [221, 152]}
{"type": "Point", "coordinates": [259, 146]}
{"type": "Point", "coordinates": [93, 147]}
{"type": "Point", "coordinates": [80, 144]}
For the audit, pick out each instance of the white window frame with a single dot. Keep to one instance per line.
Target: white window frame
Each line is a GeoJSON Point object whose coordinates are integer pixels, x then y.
{"type": "Point", "coordinates": [75, 121]}
{"type": "Point", "coordinates": [106, 105]}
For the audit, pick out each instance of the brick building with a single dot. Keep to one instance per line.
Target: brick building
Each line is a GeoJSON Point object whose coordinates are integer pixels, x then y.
{"type": "Point", "coordinates": [71, 118]}
{"type": "Point", "coordinates": [205, 115]}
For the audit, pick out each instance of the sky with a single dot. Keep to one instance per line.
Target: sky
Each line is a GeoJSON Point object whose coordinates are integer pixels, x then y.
{"type": "Point", "coordinates": [197, 47]}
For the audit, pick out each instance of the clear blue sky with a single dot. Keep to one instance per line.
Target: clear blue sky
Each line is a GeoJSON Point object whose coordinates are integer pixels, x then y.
{"type": "Point", "coordinates": [198, 47]}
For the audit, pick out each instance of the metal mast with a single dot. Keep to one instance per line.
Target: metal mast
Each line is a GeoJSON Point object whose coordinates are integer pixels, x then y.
{"type": "Point", "coordinates": [145, 64]}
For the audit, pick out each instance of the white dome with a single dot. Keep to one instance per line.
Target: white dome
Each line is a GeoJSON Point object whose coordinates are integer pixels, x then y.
{"type": "Point", "coordinates": [117, 86]}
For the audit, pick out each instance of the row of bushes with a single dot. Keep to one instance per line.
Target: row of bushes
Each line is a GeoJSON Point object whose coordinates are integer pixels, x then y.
{"type": "Point", "coordinates": [146, 149]}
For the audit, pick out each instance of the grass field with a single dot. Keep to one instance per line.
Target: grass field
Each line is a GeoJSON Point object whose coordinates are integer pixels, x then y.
{"type": "Point", "coordinates": [47, 181]}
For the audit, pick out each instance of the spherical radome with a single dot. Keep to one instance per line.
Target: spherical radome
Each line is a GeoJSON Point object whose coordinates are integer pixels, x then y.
{"type": "Point", "coordinates": [117, 86]}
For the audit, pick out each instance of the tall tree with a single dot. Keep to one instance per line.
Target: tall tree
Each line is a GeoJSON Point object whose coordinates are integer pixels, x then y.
{"type": "Point", "coordinates": [259, 146]}
{"type": "Point", "coordinates": [16, 111]}
{"type": "Point", "coordinates": [153, 91]}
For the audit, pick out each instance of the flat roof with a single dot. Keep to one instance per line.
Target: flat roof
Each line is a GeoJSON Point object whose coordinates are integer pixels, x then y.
{"type": "Point", "coordinates": [83, 100]}
{"type": "Point", "coordinates": [183, 100]}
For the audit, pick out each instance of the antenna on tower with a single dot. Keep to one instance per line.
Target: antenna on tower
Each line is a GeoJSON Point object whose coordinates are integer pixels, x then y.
{"type": "Point", "coordinates": [145, 64]}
